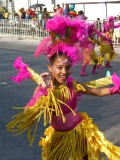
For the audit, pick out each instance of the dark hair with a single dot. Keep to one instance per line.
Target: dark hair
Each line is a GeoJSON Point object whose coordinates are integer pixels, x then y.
{"type": "Point", "coordinates": [54, 56]}
{"type": "Point", "coordinates": [98, 18]}
{"type": "Point", "coordinates": [80, 12]}
{"type": "Point", "coordinates": [58, 5]}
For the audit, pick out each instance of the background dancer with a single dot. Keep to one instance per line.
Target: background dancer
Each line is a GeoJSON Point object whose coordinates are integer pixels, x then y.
{"type": "Point", "coordinates": [90, 56]}
{"type": "Point", "coordinates": [107, 51]}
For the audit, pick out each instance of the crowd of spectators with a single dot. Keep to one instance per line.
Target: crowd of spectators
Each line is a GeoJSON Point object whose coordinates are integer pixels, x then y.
{"type": "Point", "coordinates": [4, 14]}
{"type": "Point", "coordinates": [41, 14]}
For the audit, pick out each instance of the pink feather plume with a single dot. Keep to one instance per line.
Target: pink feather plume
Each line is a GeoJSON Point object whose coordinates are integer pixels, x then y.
{"type": "Point", "coordinates": [23, 74]}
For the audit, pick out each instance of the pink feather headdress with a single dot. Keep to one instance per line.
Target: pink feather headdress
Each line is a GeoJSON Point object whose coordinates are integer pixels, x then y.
{"type": "Point", "coordinates": [109, 24]}
{"type": "Point", "coordinates": [111, 18]}
{"type": "Point", "coordinates": [65, 36]}
{"type": "Point", "coordinates": [91, 28]}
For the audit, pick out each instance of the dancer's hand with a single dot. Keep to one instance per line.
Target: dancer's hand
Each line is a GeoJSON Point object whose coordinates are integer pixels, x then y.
{"type": "Point", "coordinates": [44, 78]}
{"type": "Point", "coordinates": [116, 81]}
{"type": "Point", "coordinates": [114, 90]}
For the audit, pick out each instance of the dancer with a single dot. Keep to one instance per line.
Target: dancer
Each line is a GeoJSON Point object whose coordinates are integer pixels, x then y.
{"type": "Point", "coordinates": [90, 56]}
{"type": "Point", "coordinates": [71, 135]}
{"type": "Point", "coordinates": [106, 45]}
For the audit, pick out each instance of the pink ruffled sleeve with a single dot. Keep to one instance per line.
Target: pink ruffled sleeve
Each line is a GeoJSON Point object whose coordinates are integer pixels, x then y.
{"type": "Point", "coordinates": [116, 79]}
{"type": "Point", "coordinates": [117, 26]}
{"type": "Point", "coordinates": [116, 88]}
{"type": "Point", "coordinates": [40, 92]}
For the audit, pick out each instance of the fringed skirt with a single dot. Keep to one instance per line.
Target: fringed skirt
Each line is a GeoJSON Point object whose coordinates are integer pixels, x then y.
{"type": "Point", "coordinates": [90, 56]}
{"type": "Point", "coordinates": [84, 140]}
{"type": "Point", "coordinates": [107, 52]}
{"type": "Point", "coordinates": [94, 58]}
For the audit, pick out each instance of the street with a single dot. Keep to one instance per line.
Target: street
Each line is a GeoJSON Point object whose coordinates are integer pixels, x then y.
{"type": "Point", "coordinates": [105, 111]}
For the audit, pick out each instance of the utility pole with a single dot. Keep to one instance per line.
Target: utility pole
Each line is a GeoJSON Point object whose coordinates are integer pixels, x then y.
{"type": "Point", "coordinates": [2, 3]}
{"type": "Point", "coordinates": [37, 10]}
{"type": "Point", "coordinates": [29, 3]}
{"type": "Point", "coordinates": [6, 4]}
{"type": "Point", "coordinates": [10, 8]}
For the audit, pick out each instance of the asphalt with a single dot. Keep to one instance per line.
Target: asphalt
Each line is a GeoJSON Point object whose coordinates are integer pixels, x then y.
{"type": "Point", "coordinates": [105, 111]}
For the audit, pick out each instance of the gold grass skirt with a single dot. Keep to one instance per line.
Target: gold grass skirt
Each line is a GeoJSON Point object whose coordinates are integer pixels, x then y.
{"type": "Point", "coordinates": [85, 139]}
{"type": "Point", "coordinates": [108, 52]}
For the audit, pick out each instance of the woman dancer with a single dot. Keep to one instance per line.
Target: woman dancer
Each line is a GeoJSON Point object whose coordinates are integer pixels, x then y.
{"type": "Point", "coordinates": [71, 135]}
{"type": "Point", "coordinates": [106, 43]}
{"type": "Point", "coordinates": [90, 56]}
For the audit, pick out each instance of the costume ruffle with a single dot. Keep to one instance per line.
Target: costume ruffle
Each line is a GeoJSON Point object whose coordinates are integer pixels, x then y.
{"type": "Point", "coordinates": [109, 53]}
{"type": "Point", "coordinates": [87, 55]}
{"type": "Point", "coordinates": [85, 139]}
{"type": "Point", "coordinates": [46, 105]}
{"type": "Point", "coordinates": [94, 58]}
{"type": "Point", "coordinates": [28, 119]}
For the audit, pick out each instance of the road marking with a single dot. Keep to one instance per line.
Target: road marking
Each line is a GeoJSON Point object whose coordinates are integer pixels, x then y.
{"type": "Point", "coordinates": [3, 83]}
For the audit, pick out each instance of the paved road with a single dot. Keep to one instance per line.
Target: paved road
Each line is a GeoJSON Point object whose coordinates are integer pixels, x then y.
{"type": "Point", "coordinates": [105, 110]}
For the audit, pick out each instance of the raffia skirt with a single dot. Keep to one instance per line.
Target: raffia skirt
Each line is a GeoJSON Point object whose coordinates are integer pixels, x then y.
{"type": "Point", "coordinates": [84, 139]}
{"type": "Point", "coordinates": [107, 52]}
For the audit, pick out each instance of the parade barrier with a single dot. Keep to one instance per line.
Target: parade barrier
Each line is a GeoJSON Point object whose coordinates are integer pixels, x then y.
{"type": "Point", "coordinates": [24, 28]}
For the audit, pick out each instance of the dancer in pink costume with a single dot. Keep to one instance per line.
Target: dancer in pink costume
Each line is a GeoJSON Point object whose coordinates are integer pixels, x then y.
{"type": "Point", "coordinates": [107, 51]}
{"type": "Point", "coordinates": [90, 56]}
{"type": "Point", "coordinates": [71, 135]}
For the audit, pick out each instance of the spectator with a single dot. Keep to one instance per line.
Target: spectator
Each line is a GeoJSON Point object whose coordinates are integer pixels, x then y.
{"type": "Point", "coordinates": [59, 10]}
{"type": "Point", "coordinates": [16, 15]}
{"type": "Point", "coordinates": [34, 23]}
{"type": "Point", "coordinates": [66, 10]}
{"type": "Point", "coordinates": [46, 13]}
{"type": "Point", "coordinates": [6, 14]}
{"type": "Point", "coordinates": [35, 12]}
{"type": "Point", "coordinates": [44, 20]}
{"type": "Point", "coordinates": [116, 35]}
{"type": "Point", "coordinates": [30, 13]}
{"type": "Point", "coordinates": [40, 13]}
{"type": "Point", "coordinates": [54, 12]}
{"type": "Point", "coordinates": [28, 16]}
{"type": "Point", "coordinates": [117, 19]}
{"type": "Point", "coordinates": [98, 24]}
{"type": "Point", "coordinates": [1, 15]}
{"type": "Point", "coordinates": [22, 13]}
{"type": "Point", "coordinates": [82, 15]}
{"type": "Point", "coordinates": [72, 12]}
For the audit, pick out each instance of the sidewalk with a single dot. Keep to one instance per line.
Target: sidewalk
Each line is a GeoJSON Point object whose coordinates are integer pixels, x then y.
{"type": "Point", "coordinates": [13, 43]}
{"type": "Point", "coordinates": [17, 38]}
